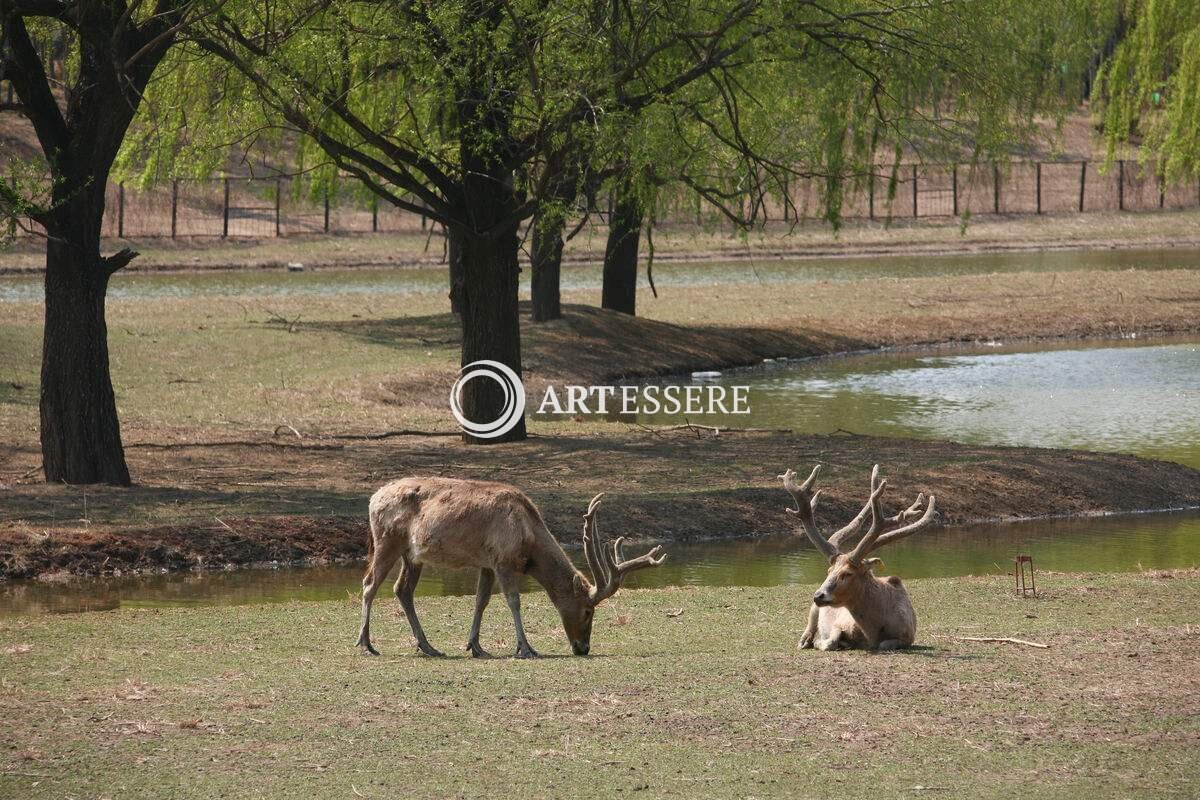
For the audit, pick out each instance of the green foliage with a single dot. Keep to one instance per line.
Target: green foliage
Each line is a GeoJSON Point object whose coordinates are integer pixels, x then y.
{"type": "Point", "coordinates": [728, 99]}
{"type": "Point", "coordinates": [1151, 86]}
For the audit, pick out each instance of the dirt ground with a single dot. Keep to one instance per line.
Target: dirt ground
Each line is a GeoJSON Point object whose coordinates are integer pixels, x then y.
{"type": "Point", "coordinates": [214, 505]}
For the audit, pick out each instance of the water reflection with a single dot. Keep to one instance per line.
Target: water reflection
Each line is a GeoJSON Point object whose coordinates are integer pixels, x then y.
{"type": "Point", "coordinates": [326, 282]}
{"type": "Point", "coordinates": [1133, 397]}
{"type": "Point", "coordinates": [1109, 544]}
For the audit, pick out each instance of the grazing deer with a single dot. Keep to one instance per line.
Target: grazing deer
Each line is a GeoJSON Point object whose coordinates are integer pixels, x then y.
{"type": "Point", "coordinates": [853, 608]}
{"type": "Point", "coordinates": [497, 529]}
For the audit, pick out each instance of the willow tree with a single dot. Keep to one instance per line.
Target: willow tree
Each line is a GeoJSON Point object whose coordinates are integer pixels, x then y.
{"type": "Point", "coordinates": [1150, 86]}
{"type": "Point", "coordinates": [79, 70]}
{"type": "Point", "coordinates": [453, 109]}
{"type": "Point", "coordinates": [857, 85]}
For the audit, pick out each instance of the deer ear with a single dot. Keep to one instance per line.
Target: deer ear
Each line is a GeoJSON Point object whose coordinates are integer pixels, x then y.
{"type": "Point", "coordinates": [873, 563]}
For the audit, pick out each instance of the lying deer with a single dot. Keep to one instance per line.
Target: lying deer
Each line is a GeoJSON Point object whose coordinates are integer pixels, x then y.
{"type": "Point", "coordinates": [854, 608]}
{"type": "Point", "coordinates": [497, 529]}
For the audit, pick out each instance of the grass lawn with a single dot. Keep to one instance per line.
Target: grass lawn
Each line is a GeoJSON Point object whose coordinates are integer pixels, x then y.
{"type": "Point", "coordinates": [691, 693]}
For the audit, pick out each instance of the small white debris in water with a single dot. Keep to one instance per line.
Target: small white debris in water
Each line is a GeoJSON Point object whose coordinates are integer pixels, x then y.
{"type": "Point", "coordinates": [700, 376]}
{"type": "Point", "coordinates": [295, 266]}
{"type": "Point", "coordinates": [768, 361]}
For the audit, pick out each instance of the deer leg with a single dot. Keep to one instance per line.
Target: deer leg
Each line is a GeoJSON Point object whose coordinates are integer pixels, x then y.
{"type": "Point", "coordinates": [410, 573]}
{"type": "Point", "coordinates": [483, 594]}
{"type": "Point", "coordinates": [510, 584]}
{"type": "Point", "coordinates": [383, 558]}
{"type": "Point", "coordinates": [810, 632]}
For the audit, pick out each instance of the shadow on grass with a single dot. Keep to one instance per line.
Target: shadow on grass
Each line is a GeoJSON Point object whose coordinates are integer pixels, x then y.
{"type": "Point", "coordinates": [592, 344]}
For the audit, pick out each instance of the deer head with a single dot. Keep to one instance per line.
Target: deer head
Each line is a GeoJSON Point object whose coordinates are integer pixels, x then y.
{"type": "Point", "coordinates": [847, 570]}
{"type": "Point", "coordinates": [609, 567]}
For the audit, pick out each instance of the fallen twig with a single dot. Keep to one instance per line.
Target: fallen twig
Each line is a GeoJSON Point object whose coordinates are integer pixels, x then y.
{"type": "Point", "coordinates": [388, 435]}
{"type": "Point", "coordinates": [278, 428]}
{"type": "Point", "coordinates": [691, 426]}
{"type": "Point", "coordinates": [1003, 639]}
{"type": "Point", "coordinates": [232, 443]}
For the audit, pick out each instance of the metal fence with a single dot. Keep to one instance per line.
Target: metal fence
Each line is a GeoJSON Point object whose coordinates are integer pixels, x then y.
{"type": "Point", "coordinates": [246, 207]}
{"type": "Point", "coordinates": [261, 208]}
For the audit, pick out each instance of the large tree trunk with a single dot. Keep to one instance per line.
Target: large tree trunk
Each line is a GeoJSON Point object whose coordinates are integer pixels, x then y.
{"type": "Point", "coordinates": [621, 253]}
{"type": "Point", "coordinates": [454, 251]}
{"type": "Point", "coordinates": [81, 436]}
{"type": "Point", "coordinates": [547, 266]}
{"type": "Point", "coordinates": [115, 57]}
{"type": "Point", "coordinates": [491, 328]}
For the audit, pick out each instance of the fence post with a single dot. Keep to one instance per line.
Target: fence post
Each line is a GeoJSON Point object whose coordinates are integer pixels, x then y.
{"type": "Point", "coordinates": [871, 194]}
{"type": "Point", "coordinates": [1121, 185]}
{"type": "Point", "coordinates": [327, 210]}
{"type": "Point", "coordinates": [1082, 183]}
{"type": "Point", "coordinates": [915, 191]}
{"type": "Point", "coordinates": [374, 215]}
{"type": "Point", "coordinates": [954, 187]}
{"type": "Point", "coordinates": [1162, 194]}
{"type": "Point", "coordinates": [225, 211]}
{"type": "Point", "coordinates": [174, 206]}
{"type": "Point", "coordinates": [995, 188]}
{"type": "Point", "coordinates": [278, 203]}
{"type": "Point", "coordinates": [121, 210]}
{"type": "Point", "coordinates": [1039, 187]}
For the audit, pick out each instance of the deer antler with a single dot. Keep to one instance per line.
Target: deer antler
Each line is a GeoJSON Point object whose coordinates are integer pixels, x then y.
{"type": "Point", "coordinates": [875, 537]}
{"type": "Point", "coordinates": [806, 502]}
{"type": "Point", "coordinates": [608, 564]}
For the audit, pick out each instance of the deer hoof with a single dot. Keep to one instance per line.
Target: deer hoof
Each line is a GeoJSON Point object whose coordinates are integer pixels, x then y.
{"type": "Point", "coordinates": [477, 651]}
{"type": "Point", "coordinates": [527, 652]}
{"type": "Point", "coordinates": [428, 650]}
{"type": "Point", "coordinates": [367, 650]}
{"type": "Point", "coordinates": [805, 643]}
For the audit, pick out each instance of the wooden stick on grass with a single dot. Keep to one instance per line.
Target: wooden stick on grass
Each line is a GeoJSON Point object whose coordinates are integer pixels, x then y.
{"type": "Point", "coordinates": [1004, 639]}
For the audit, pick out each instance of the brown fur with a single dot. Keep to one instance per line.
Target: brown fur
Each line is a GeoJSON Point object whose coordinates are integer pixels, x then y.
{"type": "Point", "coordinates": [854, 608]}
{"type": "Point", "coordinates": [493, 527]}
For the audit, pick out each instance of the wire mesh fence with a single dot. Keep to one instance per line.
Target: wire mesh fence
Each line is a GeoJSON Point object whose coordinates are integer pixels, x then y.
{"type": "Point", "coordinates": [263, 208]}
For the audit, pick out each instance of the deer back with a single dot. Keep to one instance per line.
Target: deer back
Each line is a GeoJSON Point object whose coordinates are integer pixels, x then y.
{"type": "Point", "coordinates": [461, 522]}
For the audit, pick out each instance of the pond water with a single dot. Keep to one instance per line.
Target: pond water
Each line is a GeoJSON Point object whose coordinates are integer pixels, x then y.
{"type": "Point", "coordinates": [1102, 544]}
{"type": "Point", "coordinates": [318, 281]}
{"type": "Point", "coordinates": [1131, 397]}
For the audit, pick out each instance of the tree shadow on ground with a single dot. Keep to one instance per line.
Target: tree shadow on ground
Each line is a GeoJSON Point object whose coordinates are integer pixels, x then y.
{"type": "Point", "coordinates": [593, 345]}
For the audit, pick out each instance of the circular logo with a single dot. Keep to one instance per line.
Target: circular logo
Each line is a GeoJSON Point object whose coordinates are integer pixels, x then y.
{"type": "Point", "coordinates": [514, 398]}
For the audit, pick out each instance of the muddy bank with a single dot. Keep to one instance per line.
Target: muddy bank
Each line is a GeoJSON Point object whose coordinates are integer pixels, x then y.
{"type": "Point", "coordinates": [672, 486]}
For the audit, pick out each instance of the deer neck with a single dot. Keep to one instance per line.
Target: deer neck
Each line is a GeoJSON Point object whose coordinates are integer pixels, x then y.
{"type": "Point", "coordinates": [871, 598]}
{"type": "Point", "coordinates": [552, 568]}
